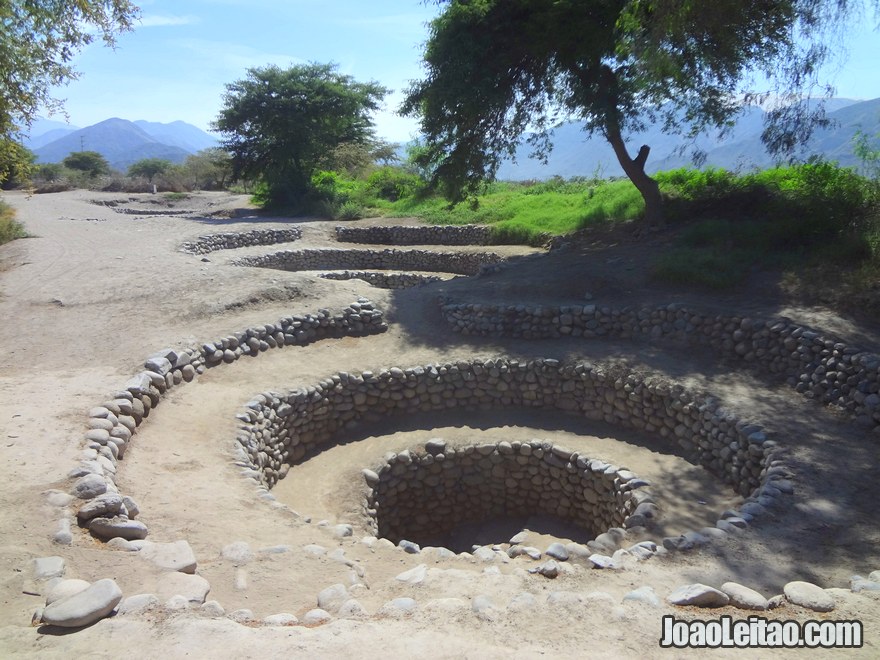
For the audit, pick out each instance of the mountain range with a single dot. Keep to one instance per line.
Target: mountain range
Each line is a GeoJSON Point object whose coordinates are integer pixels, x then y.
{"type": "Point", "coordinates": [120, 141]}
{"type": "Point", "coordinates": [577, 154]}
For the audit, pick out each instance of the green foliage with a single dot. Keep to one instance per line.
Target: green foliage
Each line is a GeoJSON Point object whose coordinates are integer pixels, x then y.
{"type": "Point", "coordinates": [149, 167]}
{"type": "Point", "coordinates": [812, 213]}
{"type": "Point", "coordinates": [10, 229]}
{"type": "Point", "coordinates": [498, 68]}
{"type": "Point", "coordinates": [280, 124]}
{"type": "Point", "coordinates": [38, 42]}
{"type": "Point", "coordinates": [49, 172]}
{"type": "Point", "coordinates": [209, 169]}
{"type": "Point", "coordinates": [867, 150]}
{"type": "Point", "coordinates": [90, 162]}
{"type": "Point", "coordinates": [393, 183]}
{"type": "Point", "coordinates": [16, 163]}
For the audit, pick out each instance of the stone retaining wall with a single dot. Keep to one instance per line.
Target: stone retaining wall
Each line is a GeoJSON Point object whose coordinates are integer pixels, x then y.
{"type": "Point", "coordinates": [818, 367]}
{"type": "Point", "coordinates": [105, 512]}
{"type": "Point", "coordinates": [423, 496]}
{"type": "Point", "coordinates": [383, 280]}
{"type": "Point", "coordinates": [417, 235]}
{"type": "Point", "coordinates": [461, 263]}
{"type": "Point", "coordinates": [231, 240]}
{"type": "Point", "coordinates": [284, 429]}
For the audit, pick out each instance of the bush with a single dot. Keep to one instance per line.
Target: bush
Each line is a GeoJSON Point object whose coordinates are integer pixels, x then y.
{"type": "Point", "coordinates": [10, 228]}
{"type": "Point", "coordinates": [393, 183]}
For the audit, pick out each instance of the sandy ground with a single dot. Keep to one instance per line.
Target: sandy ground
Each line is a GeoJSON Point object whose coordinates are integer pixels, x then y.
{"type": "Point", "coordinates": [94, 292]}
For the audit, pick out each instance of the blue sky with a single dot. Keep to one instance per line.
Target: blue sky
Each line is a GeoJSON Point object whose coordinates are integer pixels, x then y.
{"type": "Point", "coordinates": [176, 62]}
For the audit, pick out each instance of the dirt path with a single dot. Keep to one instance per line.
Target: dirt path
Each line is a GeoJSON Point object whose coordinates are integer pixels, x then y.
{"type": "Point", "coordinates": [96, 291]}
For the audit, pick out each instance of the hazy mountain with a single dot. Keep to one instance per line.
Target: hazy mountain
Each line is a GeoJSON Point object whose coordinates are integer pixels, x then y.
{"type": "Point", "coordinates": [179, 134]}
{"type": "Point", "coordinates": [575, 154]}
{"type": "Point", "coordinates": [43, 131]}
{"type": "Point", "coordinates": [123, 142]}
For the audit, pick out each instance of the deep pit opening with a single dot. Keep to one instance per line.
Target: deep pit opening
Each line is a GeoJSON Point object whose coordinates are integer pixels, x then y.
{"type": "Point", "coordinates": [476, 495]}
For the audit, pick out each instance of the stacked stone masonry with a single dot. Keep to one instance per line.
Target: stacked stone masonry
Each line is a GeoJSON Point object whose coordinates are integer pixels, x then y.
{"type": "Point", "coordinates": [818, 367]}
{"type": "Point", "coordinates": [383, 280]}
{"type": "Point", "coordinates": [417, 235]}
{"type": "Point", "coordinates": [281, 430]}
{"type": "Point", "coordinates": [461, 263]}
{"type": "Point", "coordinates": [423, 496]}
{"type": "Point", "coordinates": [233, 240]}
{"type": "Point", "coordinates": [108, 514]}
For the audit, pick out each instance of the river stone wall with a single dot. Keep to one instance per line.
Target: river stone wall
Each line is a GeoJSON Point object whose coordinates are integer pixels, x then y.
{"type": "Point", "coordinates": [280, 430]}
{"type": "Point", "coordinates": [231, 240]}
{"type": "Point", "coordinates": [461, 263]}
{"type": "Point", "coordinates": [818, 367]}
{"type": "Point", "coordinates": [417, 235]}
{"type": "Point", "coordinates": [104, 511]}
{"type": "Point", "coordinates": [423, 496]}
{"type": "Point", "coordinates": [383, 279]}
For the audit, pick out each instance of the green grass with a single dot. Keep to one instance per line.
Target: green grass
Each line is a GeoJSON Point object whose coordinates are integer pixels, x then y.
{"type": "Point", "coordinates": [10, 228]}
{"type": "Point", "coordinates": [523, 213]}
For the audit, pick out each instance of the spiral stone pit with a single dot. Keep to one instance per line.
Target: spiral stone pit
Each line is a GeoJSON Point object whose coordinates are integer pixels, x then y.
{"type": "Point", "coordinates": [423, 496]}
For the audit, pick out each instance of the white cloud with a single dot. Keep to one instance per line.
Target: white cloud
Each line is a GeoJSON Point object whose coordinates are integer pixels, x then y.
{"type": "Point", "coordinates": [156, 20]}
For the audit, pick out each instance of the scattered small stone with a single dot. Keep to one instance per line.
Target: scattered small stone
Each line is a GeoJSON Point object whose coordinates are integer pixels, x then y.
{"type": "Point", "coordinates": [85, 607]}
{"type": "Point", "coordinates": [44, 568]}
{"type": "Point", "coordinates": [549, 569]}
{"type": "Point", "coordinates": [485, 554]}
{"type": "Point", "coordinates": [744, 598]}
{"type": "Point", "coordinates": [776, 601]}
{"type": "Point", "coordinates": [63, 535]}
{"type": "Point", "coordinates": [177, 556]}
{"type": "Point", "coordinates": [100, 506]}
{"type": "Point", "coordinates": [108, 528]}
{"type": "Point", "coordinates": [857, 583]}
{"type": "Point", "coordinates": [138, 603]}
{"type": "Point", "coordinates": [331, 598]}
{"type": "Point", "coordinates": [212, 608]}
{"type": "Point", "coordinates": [315, 550]}
{"type": "Point", "coordinates": [557, 551]}
{"type": "Point", "coordinates": [414, 575]}
{"type": "Point", "coordinates": [521, 537]}
{"type": "Point", "coordinates": [281, 619]}
{"type": "Point", "coordinates": [644, 595]}
{"type": "Point", "coordinates": [352, 609]}
{"type": "Point", "coordinates": [238, 553]}
{"type": "Point", "coordinates": [89, 486]}
{"type": "Point", "coordinates": [409, 547]}
{"type": "Point", "coordinates": [484, 608]}
{"type": "Point", "coordinates": [808, 595]}
{"type": "Point", "coordinates": [316, 617]}
{"type": "Point", "coordinates": [241, 616]}
{"type": "Point", "coordinates": [523, 601]}
{"type": "Point", "coordinates": [398, 607]}
{"type": "Point", "coordinates": [601, 561]}
{"type": "Point", "coordinates": [698, 595]}
{"type": "Point", "coordinates": [65, 588]}
{"type": "Point", "coordinates": [192, 587]}
{"type": "Point", "coordinates": [342, 531]}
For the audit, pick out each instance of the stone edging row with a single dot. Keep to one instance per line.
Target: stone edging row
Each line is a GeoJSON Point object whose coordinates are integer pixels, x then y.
{"type": "Point", "coordinates": [105, 512]}
{"type": "Point", "coordinates": [231, 240]}
{"type": "Point", "coordinates": [417, 235]}
{"type": "Point", "coordinates": [280, 430]}
{"type": "Point", "coordinates": [817, 366]}
{"type": "Point", "coordinates": [383, 279]}
{"type": "Point", "coordinates": [461, 263]}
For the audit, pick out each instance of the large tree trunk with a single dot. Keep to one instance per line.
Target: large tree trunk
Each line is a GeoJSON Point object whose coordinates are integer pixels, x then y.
{"type": "Point", "coordinates": [635, 170]}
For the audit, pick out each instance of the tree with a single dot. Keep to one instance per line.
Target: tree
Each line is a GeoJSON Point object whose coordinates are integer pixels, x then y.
{"type": "Point", "coordinates": [497, 68]}
{"type": "Point", "coordinates": [209, 169]}
{"type": "Point", "coordinates": [38, 41]}
{"type": "Point", "coordinates": [149, 167]}
{"type": "Point", "coordinates": [16, 163]}
{"type": "Point", "coordinates": [91, 162]}
{"type": "Point", "coordinates": [280, 123]}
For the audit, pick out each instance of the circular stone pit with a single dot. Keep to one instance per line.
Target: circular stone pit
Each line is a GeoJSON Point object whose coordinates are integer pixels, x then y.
{"type": "Point", "coordinates": [428, 496]}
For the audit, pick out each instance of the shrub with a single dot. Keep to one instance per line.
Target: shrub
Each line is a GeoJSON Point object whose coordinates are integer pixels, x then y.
{"type": "Point", "coordinates": [10, 228]}
{"type": "Point", "coordinates": [393, 183]}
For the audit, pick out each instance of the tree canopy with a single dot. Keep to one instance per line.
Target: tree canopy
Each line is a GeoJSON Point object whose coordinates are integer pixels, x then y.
{"type": "Point", "coordinates": [149, 167]}
{"type": "Point", "coordinates": [496, 69]}
{"type": "Point", "coordinates": [91, 162]}
{"type": "Point", "coordinates": [280, 124]}
{"type": "Point", "coordinates": [38, 41]}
